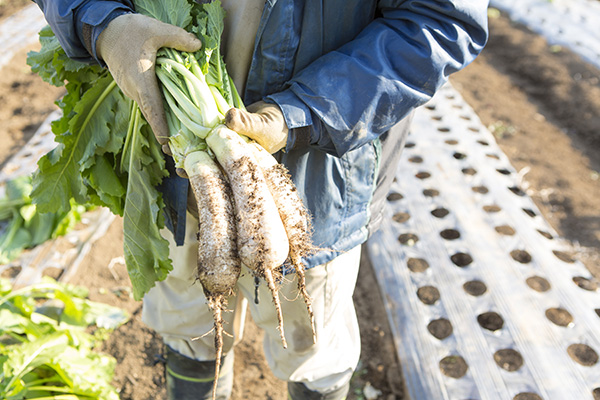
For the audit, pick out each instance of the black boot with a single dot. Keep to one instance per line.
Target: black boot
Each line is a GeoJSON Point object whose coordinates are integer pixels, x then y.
{"type": "Point", "coordinates": [189, 379]}
{"type": "Point", "coordinates": [298, 391]}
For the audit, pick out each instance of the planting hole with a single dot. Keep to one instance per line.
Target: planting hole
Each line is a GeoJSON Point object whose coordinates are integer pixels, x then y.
{"type": "Point", "coordinates": [493, 156]}
{"type": "Point", "coordinates": [417, 264]}
{"type": "Point", "coordinates": [11, 272]}
{"type": "Point", "coordinates": [440, 328]}
{"type": "Point", "coordinates": [469, 171]}
{"type": "Point", "coordinates": [401, 217]}
{"type": "Point", "coordinates": [452, 142]}
{"type": "Point", "coordinates": [563, 256]}
{"type": "Point", "coordinates": [431, 192]}
{"type": "Point", "coordinates": [596, 393]}
{"type": "Point", "coordinates": [585, 283]}
{"type": "Point", "coordinates": [408, 239]}
{"type": "Point", "coordinates": [492, 208]}
{"type": "Point", "coordinates": [503, 171]}
{"type": "Point", "coordinates": [559, 316]}
{"type": "Point", "coordinates": [527, 396]}
{"type": "Point", "coordinates": [416, 159]}
{"type": "Point", "coordinates": [529, 212]}
{"type": "Point", "coordinates": [474, 129]}
{"type": "Point", "coordinates": [454, 366]}
{"type": "Point", "coordinates": [459, 156]}
{"type": "Point", "coordinates": [483, 143]}
{"type": "Point", "coordinates": [538, 283]}
{"type": "Point", "coordinates": [461, 259]}
{"type": "Point", "coordinates": [423, 175]}
{"type": "Point", "coordinates": [517, 190]}
{"type": "Point", "coordinates": [583, 354]}
{"type": "Point", "coordinates": [545, 234]}
{"type": "Point", "coordinates": [450, 234]}
{"type": "Point", "coordinates": [53, 272]}
{"type": "Point", "coordinates": [505, 230]}
{"type": "Point", "coordinates": [492, 321]}
{"type": "Point", "coordinates": [444, 129]}
{"type": "Point", "coordinates": [508, 359]}
{"type": "Point", "coordinates": [480, 189]}
{"type": "Point", "coordinates": [428, 294]}
{"type": "Point", "coordinates": [521, 256]}
{"type": "Point", "coordinates": [440, 212]}
{"type": "Point", "coordinates": [475, 288]}
{"type": "Point", "coordinates": [409, 145]}
{"type": "Point", "coordinates": [394, 196]}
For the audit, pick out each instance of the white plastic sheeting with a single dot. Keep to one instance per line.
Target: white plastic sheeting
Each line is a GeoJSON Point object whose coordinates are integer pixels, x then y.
{"type": "Point", "coordinates": [472, 275]}
{"type": "Point", "coordinates": [571, 23]}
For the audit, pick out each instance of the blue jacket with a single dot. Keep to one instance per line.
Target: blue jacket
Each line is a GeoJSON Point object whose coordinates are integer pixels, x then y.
{"type": "Point", "coordinates": [347, 75]}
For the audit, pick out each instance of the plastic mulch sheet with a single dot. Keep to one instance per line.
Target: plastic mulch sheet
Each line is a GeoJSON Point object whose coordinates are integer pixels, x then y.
{"type": "Point", "coordinates": [484, 299]}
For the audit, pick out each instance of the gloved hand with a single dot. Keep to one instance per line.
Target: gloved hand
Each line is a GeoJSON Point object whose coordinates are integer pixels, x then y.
{"type": "Point", "coordinates": [263, 122]}
{"type": "Point", "coordinates": [128, 46]}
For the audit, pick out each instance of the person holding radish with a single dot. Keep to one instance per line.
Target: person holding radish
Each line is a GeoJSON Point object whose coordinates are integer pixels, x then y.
{"type": "Point", "coordinates": [331, 87]}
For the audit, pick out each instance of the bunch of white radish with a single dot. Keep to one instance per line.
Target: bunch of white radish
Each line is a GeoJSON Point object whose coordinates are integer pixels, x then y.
{"type": "Point", "coordinates": [249, 211]}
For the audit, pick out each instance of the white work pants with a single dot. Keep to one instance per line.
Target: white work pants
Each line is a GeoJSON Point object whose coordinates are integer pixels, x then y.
{"type": "Point", "coordinates": [176, 309]}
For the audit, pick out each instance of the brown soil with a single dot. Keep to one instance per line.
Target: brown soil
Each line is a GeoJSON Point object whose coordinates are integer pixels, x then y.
{"type": "Point", "coordinates": [544, 109]}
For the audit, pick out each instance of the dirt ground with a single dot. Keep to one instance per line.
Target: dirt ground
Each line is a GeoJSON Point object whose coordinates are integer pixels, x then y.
{"type": "Point", "coordinates": [541, 102]}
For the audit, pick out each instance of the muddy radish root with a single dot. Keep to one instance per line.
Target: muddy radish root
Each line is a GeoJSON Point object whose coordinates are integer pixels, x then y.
{"type": "Point", "coordinates": [218, 267]}
{"type": "Point", "coordinates": [262, 240]}
{"type": "Point", "coordinates": [295, 218]}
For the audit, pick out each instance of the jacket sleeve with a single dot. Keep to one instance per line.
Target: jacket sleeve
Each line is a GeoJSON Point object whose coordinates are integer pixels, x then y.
{"type": "Point", "coordinates": [350, 96]}
{"type": "Point", "coordinates": [78, 23]}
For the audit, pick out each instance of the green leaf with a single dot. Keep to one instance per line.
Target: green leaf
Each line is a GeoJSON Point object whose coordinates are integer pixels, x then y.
{"type": "Point", "coordinates": [58, 178]}
{"type": "Point", "coordinates": [146, 251]}
{"type": "Point", "coordinates": [174, 12]}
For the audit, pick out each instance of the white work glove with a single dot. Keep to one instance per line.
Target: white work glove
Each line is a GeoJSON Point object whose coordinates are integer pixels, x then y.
{"type": "Point", "coordinates": [128, 46]}
{"type": "Point", "coordinates": [263, 122]}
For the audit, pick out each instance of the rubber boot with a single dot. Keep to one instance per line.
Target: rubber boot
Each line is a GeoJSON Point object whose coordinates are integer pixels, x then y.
{"type": "Point", "coordinates": [189, 379]}
{"type": "Point", "coordinates": [298, 391]}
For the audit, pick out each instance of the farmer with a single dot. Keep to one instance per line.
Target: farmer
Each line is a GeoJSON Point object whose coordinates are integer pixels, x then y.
{"type": "Point", "coordinates": [332, 86]}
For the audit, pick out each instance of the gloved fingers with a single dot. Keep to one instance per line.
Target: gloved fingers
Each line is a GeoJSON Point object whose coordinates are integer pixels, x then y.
{"type": "Point", "coordinates": [151, 105]}
{"type": "Point", "coordinates": [167, 150]}
{"type": "Point", "coordinates": [243, 122]}
{"type": "Point", "coordinates": [175, 37]}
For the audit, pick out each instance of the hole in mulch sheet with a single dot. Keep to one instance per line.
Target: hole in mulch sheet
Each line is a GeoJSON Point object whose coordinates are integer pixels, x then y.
{"type": "Point", "coordinates": [480, 189]}
{"type": "Point", "coordinates": [428, 294]}
{"type": "Point", "coordinates": [538, 283]}
{"type": "Point", "coordinates": [508, 359]}
{"type": "Point", "coordinates": [452, 142]}
{"type": "Point", "coordinates": [401, 217]}
{"type": "Point", "coordinates": [416, 159]}
{"type": "Point", "coordinates": [450, 234]}
{"type": "Point", "coordinates": [409, 145]}
{"type": "Point", "coordinates": [474, 129]}
{"type": "Point", "coordinates": [503, 171]}
{"type": "Point", "coordinates": [545, 234]}
{"type": "Point", "coordinates": [459, 156]}
{"type": "Point", "coordinates": [585, 283]}
{"type": "Point", "coordinates": [492, 208]}
{"type": "Point", "coordinates": [527, 396]}
{"type": "Point", "coordinates": [475, 288]}
{"type": "Point", "coordinates": [596, 393]}
{"type": "Point", "coordinates": [431, 192]}
{"type": "Point", "coordinates": [53, 272]}
{"type": "Point", "coordinates": [505, 230]}
{"type": "Point", "coordinates": [469, 171]}
{"type": "Point", "coordinates": [440, 328]}
{"type": "Point", "coordinates": [461, 259]}
{"type": "Point", "coordinates": [517, 190]}
{"type": "Point", "coordinates": [444, 129]}
{"type": "Point", "coordinates": [454, 366]}
{"type": "Point", "coordinates": [417, 264]}
{"type": "Point", "coordinates": [583, 354]}
{"type": "Point", "coordinates": [563, 256]}
{"type": "Point", "coordinates": [394, 196]}
{"type": "Point", "coordinates": [11, 272]}
{"type": "Point", "coordinates": [493, 156]}
{"type": "Point", "coordinates": [521, 256]}
{"type": "Point", "coordinates": [408, 239]}
{"type": "Point", "coordinates": [423, 175]}
{"type": "Point", "coordinates": [483, 143]}
{"type": "Point", "coordinates": [491, 320]}
{"type": "Point", "coordinates": [440, 212]}
{"type": "Point", "coordinates": [529, 212]}
{"type": "Point", "coordinates": [559, 316]}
